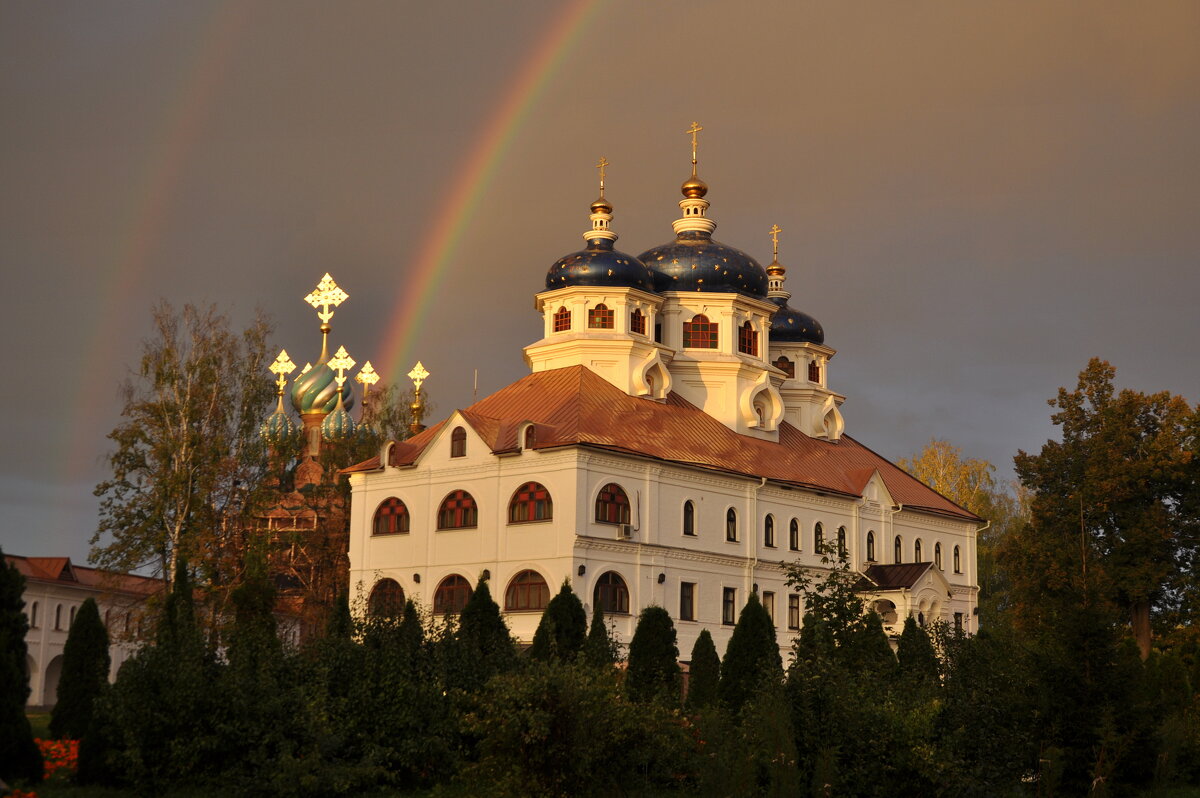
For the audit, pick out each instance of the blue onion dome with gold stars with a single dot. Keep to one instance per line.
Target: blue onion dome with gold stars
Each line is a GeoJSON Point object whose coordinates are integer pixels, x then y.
{"type": "Point", "coordinates": [694, 261]}
{"type": "Point", "coordinates": [316, 390]}
{"type": "Point", "coordinates": [788, 324]}
{"type": "Point", "coordinates": [600, 264]}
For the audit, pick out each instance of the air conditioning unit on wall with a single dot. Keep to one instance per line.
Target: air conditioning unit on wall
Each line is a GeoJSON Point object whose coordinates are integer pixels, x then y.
{"type": "Point", "coordinates": [624, 531]}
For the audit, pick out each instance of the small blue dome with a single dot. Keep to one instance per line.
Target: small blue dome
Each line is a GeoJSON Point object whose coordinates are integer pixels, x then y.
{"type": "Point", "coordinates": [789, 324]}
{"type": "Point", "coordinates": [695, 262]}
{"type": "Point", "coordinates": [316, 391]}
{"type": "Point", "coordinates": [338, 424]}
{"type": "Point", "coordinates": [599, 265]}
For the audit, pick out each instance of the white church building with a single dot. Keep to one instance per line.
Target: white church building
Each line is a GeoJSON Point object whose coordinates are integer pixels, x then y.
{"type": "Point", "coordinates": [675, 444]}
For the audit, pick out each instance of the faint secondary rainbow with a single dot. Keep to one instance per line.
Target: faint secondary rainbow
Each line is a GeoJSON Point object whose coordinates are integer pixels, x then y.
{"type": "Point", "coordinates": [147, 204]}
{"type": "Point", "coordinates": [458, 208]}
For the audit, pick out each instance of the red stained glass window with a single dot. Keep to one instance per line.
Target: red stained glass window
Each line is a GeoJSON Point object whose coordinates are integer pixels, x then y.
{"type": "Point", "coordinates": [600, 317]}
{"type": "Point", "coordinates": [612, 505]}
{"type": "Point", "coordinates": [451, 595]}
{"type": "Point", "coordinates": [391, 518]}
{"type": "Point", "coordinates": [527, 591]}
{"type": "Point", "coordinates": [458, 511]}
{"type": "Point", "coordinates": [747, 340]}
{"type": "Point", "coordinates": [637, 322]}
{"type": "Point", "coordinates": [700, 333]}
{"type": "Point", "coordinates": [562, 320]}
{"type": "Point", "coordinates": [531, 502]}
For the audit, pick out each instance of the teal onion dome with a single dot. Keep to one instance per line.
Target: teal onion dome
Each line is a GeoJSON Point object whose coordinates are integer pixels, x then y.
{"type": "Point", "coordinates": [316, 391]}
{"type": "Point", "coordinates": [278, 426]}
{"type": "Point", "coordinates": [338, 425]}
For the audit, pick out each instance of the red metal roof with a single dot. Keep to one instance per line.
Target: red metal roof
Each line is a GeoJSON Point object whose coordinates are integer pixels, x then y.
{"type": "Point", "coordinates": [574, 406]}
{"type": "Point", "coordinates": [892, 577]}
{"type": "Point", "coordinates": [63, 571]}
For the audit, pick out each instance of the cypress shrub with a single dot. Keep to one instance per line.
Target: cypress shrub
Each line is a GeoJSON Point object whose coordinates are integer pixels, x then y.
{"type": "Point", "coordinates": [653, 670]}
{"type": "Point", "coordinates": [599, 649]}
{"type": "Point", "coordinates": [19, 756]}
{"type": "Point", "coordinates": [484, 641]}
{"type": "Point", "coordinates": [84, 674]}
{"type": "Point", "coordinates": [705, 673]}
{"type": "Point", "coordinates": [751, 657]}
{"type": "Point", "coordinates": [561, 632]}
{"type": "Point", "coordinates": [918, 662]}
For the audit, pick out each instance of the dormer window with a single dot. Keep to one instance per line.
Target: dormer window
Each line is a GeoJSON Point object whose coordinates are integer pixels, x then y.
{"type": "Point", "coordinates": [529, 437]}
{"type": "Point", "coordinates": [600, 317]}
{"type": "Point", "coordinates": [700, 333]}
{"type": "Point", "coordinates": [562, 320]}
{"type": "Point", "coordinates": [458, 442]}
{"type": "Point", "coordinates": [814, 371]}
{"type": "Point", "coordinates": [786, 366]}
{"type": "Point", "coordinates": [747, 340]}
{"type": "Point", "coordinates": [637, 322]}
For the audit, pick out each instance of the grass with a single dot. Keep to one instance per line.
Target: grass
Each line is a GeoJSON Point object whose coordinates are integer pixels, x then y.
{"type": "Point", "coordinates": [40, 721]}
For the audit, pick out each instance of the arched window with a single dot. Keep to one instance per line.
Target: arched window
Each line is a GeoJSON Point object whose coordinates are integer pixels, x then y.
{"type": "Point", "coordinates": [794, 535]}
{"type": "Point", "coordinates": [700, 333]}
{"type": "Point", "coordinates": [458, 442]}
{"type": "Point", "coordinates": [600, 317]}
{"type": "Point", "coordinates": [58, 617]}
{"type": "Point", "coordinates": [529, 437]}
{"type": "Point", "coordinates": [71, 622]}
{"type": "Point", "coordinates": [611, 595]}
{"type": "Point", "coordinates": [531, 502]}
{"type": "Point", "coordinates": [527, 591]}
{"type": "Point", "coordinates": [769, 531]}
{"type": "Point", "coordinates": [818, 539]}
{"type": "Point", "coordinates": [386, 600]}
{"type": "Point", "coordinates": [897, 553]}
{"type": "Point", "coordinates": [391, 518]}
{"type": "Point", "coordinates": [562, 320]}
{"type": "Point", "coordinates": [33, 619]}
{"type": "Point", "coordinates": [786, 366]}
{"type": "Point", "coordinates": [957, 561]}
{"type": "Point", "coordinates": [937, 555]}
{"type": "Point", "coordinates": [870, 546]}
{"type": "Point", "coordinates": [814, 371]}
{"type": "Point", "coordinates": [731, 524]}
{"type": "Point", "coordinates": [747, 339]}
{"type": "Point", "coordinates": [917, 550]}
{"type": "Point", "coordinates": [612, 505]}
{"type": "Point", "coordinates": [451, 595]}
{"type": "Point", "coordinates": [689, 518]}
{"type": "Point", "coordinates": [458, 511]}
{"type": "Point", "coordinates": [841, 542]}
{"type": "Point", "coordinates": [637, 322]}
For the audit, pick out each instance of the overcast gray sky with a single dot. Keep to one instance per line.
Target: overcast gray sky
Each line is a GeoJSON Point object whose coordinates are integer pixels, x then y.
{"type": "Point", "coordinates": [975, 197]}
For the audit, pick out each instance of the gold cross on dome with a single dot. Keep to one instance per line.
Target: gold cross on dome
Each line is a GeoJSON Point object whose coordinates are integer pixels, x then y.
{"type": "Point", "coordinates": [282, 366]}
{"type": "Point", "coordinates": [603, 163]}
{"type": "Point", "coordinates": [367, 377]}
{"type": "Point", "coordinates": [418, 375]}
{"type": "Point", "coordinates": [694, 129]}
{"type": "Point", "coordinates": [775, 231]}
{"type": "Point", "coordinates": [341, 361]}
{"type": "Point", "coordinates": [327, 294]}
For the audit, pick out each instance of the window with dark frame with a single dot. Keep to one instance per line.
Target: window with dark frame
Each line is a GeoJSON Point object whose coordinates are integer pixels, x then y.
{"type": "Point", "coordinates": [529, 437]}
{"type": "Point", "coordinates": [768, 602]}
{"type": "Point", "coordinates": [611, 594]}
{"type": "Point", "coordinates": [458, 442]}
{"type": "Point", "coordinates": [814, 371]}
{"type": "Point", "coordinates": [818, 539]}
{"type": "Point", "coordinates": [530, 502]}
{"type": "Point", "coordinates": [58, 617]}
{"type": "Point", "coordinates": [769, 531]}
{"type": "Point", "coordinates": [391, 518]}
{"type": "Point", "coordinates": [700, 333]}
{"type": "Point", "coordinates": [526, 592]}
{"type": "Point", "coordinates": [729, 606]}
{"type": "Point", "coordinates": [562, 320]}
{"type": "Point", "coordinates": [637, 322]}
{"type": "Point", "coordinates": [689, 518]}
{"type": "Point", "coordinates": [747, 339]}
{"type": "Point", "coordinates": [897, 551]}
{"type": "Point", "coordinates": [917, 550]}
{"type": "Point", "coordinates": [612, 505]}
{"type": "Point", "coordinates": [841, 543]}
{"type": "Point", "coordinates": [937, 555]}
{"type": "Point", "coordinates": [957, 561]}
{"type": "Point", "coordinates": [793, 611]}
{"type": "Point", "coordinates": [33, 613]}
{"type": "Point", "coordinates": [451, 595]}
{"type": "Point", "coordinates": [794, 535]}
{"type": "Point", "coordinates": [687, 601]}
{"type": "Point", "coordinates": [731, 525]}
{"type": "Point", "coordinates": [386, 599]}
{"type": "Point", "coordinates": [958, 621]}
{"type": "Point", "coordinates": [786, 366]}
{"type": "Point", "coordinates": [870, 546]}
{"type": "Point", "coordinates": [600, 317]}
{"type": "Point", "coordinates": [458, 511]}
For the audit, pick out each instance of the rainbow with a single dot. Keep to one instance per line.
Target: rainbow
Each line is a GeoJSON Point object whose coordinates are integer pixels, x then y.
{"type": "Point", "coordinates": [146, 214]}
{"type": "Point", "coordinates": [453, 215]}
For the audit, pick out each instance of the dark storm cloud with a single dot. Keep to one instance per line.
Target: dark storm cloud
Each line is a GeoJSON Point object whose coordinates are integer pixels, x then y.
{"type": "Point", "coordinates": [975, 197]}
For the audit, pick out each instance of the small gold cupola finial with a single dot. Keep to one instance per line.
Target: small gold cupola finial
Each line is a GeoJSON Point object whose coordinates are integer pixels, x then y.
{"type": "Point", "coordinates": [693, 204]}
{"type": "Point", "coordinates": [694, 187]}
{"type": "Point", "coordinates": [417, 408]}
{"type": "Point", "coordinates": [775, 271]}
{"type": "Point", "coordinates": [601, 213]}
{"type": "Point", "coordinates": [326, 296]}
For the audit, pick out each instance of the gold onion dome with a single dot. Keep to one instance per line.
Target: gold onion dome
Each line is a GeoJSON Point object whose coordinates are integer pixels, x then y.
{"type": "Point", "coordinates": [694, 187]}
{"type": "Point", "coordinates": [601, 205]}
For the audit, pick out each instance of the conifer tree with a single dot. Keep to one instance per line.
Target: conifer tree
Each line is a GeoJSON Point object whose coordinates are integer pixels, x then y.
{"type": "Point", "coordinates": [705, 673]}
{"type": "Point", "coordinates": [84, 673]}
{"type": "Point", "coordinates": [918, 662]}
{"type": "Point", "coordinates": [484, 642]}
{"type": "Point", "coordinates": [751, 657]}
{"type": "Point", "coordinates": [19, 756]}
{"type": "Point", "coordinates": [653, 670]}
{"type": "Point", "coordinates": [867, 648]}
{"type": "Point", "coordinates": [599, 648]}
{"type": "Point", "coordinates": [561, 632]}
